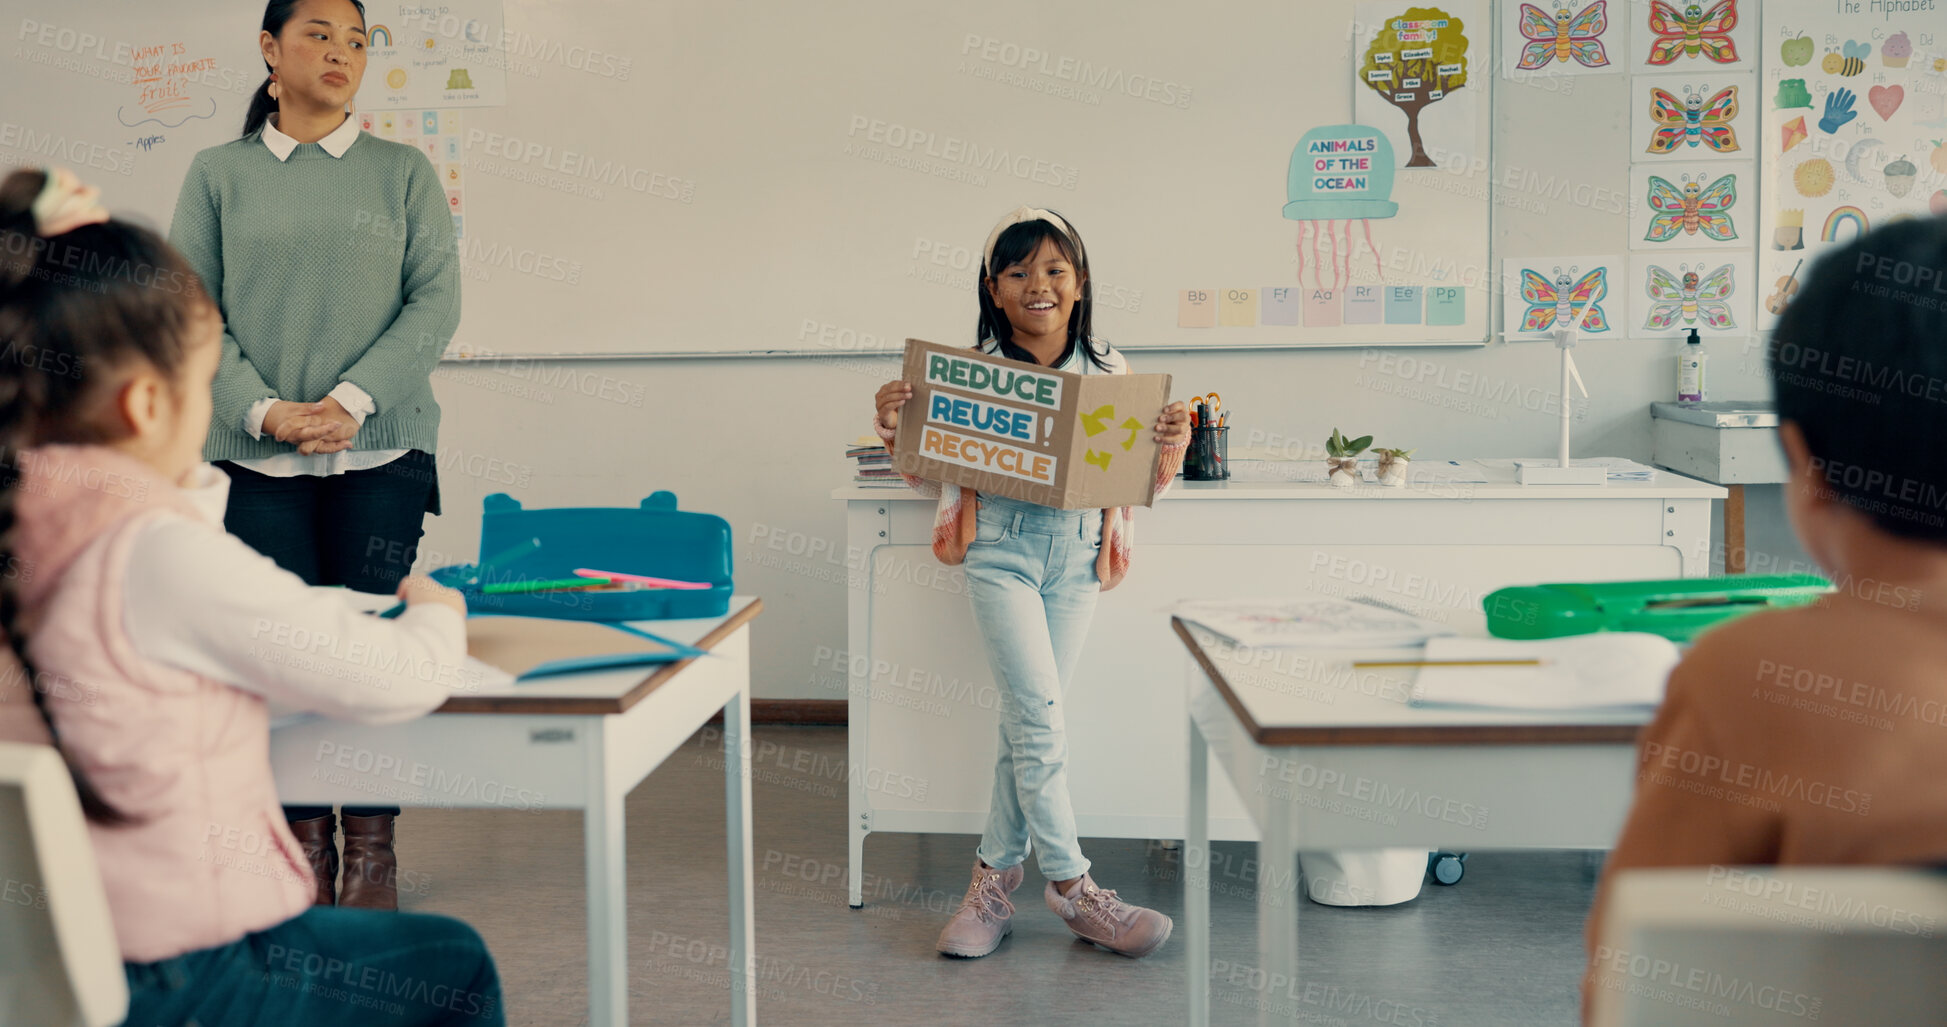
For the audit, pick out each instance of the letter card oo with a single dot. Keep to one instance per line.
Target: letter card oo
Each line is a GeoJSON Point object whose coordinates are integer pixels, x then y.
{"type": "Point", "coordinates": [1004, 427]}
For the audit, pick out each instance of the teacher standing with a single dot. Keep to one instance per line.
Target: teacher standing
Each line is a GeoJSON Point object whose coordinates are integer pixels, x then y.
{"type": "Point", "coordinates": [331, 255]}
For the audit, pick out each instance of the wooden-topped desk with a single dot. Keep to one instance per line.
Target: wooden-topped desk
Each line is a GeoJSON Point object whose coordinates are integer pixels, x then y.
{"type": "Point", "coordinates": [574, 741]}
{"type": "Point", "coordinates": [1326, 756]}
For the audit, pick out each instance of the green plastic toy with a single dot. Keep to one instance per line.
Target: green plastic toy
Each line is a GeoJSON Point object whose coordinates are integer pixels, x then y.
{"type": "Point", "coordinates": [1678, 609]}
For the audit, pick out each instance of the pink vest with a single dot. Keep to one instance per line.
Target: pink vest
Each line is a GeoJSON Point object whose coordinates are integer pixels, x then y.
{"type": "Point", "coordinates": [206, 857]}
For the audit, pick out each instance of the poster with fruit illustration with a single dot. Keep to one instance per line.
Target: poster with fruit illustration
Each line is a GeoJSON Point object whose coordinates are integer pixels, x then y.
{"type": "Point", "coordinates": [1854, 131]}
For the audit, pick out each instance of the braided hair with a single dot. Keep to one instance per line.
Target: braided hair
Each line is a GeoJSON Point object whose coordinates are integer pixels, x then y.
{"type": "Point", "coordinates": [76, 311]}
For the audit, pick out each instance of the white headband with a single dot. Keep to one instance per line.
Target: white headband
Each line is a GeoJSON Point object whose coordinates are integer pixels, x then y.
{"type": "Point", "coordinates": [1015, 217]}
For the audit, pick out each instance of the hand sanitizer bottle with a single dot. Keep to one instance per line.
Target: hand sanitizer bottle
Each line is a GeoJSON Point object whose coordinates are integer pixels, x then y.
{"type": "Point", "coordinates": [1690, 370]}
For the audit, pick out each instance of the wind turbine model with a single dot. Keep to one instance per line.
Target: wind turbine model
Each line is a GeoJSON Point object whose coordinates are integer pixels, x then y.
{"type": "Point", "coordinates": [1559, 471]}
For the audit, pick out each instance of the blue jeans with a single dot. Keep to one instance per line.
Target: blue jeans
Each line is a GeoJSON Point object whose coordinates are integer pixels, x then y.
{"type": "Point", "coordinates": [1031, 575]}
{"type": "Point", "coordinates": [327, 966]}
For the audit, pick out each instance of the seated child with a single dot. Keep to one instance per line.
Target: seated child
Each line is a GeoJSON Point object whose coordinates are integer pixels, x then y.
{"type": "Point", "coordinates": [1814, 735]}
{"type": "Point", "coordinates": [146, 642]}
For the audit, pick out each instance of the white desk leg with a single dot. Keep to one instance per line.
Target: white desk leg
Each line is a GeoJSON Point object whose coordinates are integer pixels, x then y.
{"type": "Point", "coordinates": [736, 802]}
{"type": "Point", "coordinates": [1277, 914]}
{"type": "Point", "coordinates": [604, 853]}
{"type": "Point", "coordinates": [855, 851]}
{"type": "Point", "coordinates": [1196, 879]}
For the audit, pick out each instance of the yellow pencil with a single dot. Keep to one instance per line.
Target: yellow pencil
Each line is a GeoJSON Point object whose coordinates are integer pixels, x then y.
{"type": "Point", "coordinates": [1446, 663]}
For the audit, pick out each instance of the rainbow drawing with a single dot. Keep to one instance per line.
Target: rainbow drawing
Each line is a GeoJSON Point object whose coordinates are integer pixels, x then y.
{"type": "Point", "coordinates": [379, 35]}
{"type": "Point", "coordinates": [1847, 214]}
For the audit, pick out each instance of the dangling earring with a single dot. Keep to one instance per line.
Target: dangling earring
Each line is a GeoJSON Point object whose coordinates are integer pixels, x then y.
{"type": "Point", "coordinates": [276, 91]}
{"type": "Point", "coordinates": [351, 105]}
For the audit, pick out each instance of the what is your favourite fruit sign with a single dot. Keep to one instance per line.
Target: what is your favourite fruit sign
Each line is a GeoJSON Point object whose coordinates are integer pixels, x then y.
{"type": "Point", "coordinates": [1004, 427]}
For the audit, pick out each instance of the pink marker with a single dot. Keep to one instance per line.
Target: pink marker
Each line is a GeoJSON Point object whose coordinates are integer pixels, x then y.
{"type": "Point", "coordinates": [640, 579]}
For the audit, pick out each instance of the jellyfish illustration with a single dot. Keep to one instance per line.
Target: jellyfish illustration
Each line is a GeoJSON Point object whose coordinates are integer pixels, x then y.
{"type": "Point", "coordinates": [1339, 174]}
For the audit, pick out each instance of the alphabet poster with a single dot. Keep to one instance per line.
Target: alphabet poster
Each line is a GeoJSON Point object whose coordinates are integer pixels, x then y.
{"type": "Point", "coordinates": [1855, 108]}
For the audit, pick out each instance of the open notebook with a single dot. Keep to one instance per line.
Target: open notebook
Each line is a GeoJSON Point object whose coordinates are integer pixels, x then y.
{"type": "Point", "coordinates": [533, 647]}
{"type": "Point", "coordinates": [1605, 669]}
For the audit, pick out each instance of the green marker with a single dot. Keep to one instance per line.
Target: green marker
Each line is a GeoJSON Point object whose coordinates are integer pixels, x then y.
{"type": "Point", "coordinates": [559, 584]}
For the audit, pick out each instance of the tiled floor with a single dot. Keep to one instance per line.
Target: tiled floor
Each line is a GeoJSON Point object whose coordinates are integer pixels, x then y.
{"type": "Point", "coordinates": [1502, 948]}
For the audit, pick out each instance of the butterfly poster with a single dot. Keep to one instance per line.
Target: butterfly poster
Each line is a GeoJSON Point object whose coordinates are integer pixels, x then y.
{"type": "Point", "coordinates": [1683, 205]}
{"type": "Point", "coordinates": [1671, 292]}
{"type": "Point", "coordinates": [1693, 35]}
{"type": "Point", "coordinates": [1694, 117]}
{"type": "Point", "coordinates": [1563, 37]}
{"type": "Point", "coordinates": [1538, 293]}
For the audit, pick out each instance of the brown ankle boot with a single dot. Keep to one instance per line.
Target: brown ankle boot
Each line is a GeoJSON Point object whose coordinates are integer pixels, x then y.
{"type": "Point", "coordinates": [371, 869]}
{"type": "Point", "coordinates": [321, 848]}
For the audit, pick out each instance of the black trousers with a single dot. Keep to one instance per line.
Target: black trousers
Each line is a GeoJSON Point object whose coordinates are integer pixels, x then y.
{"type": "Point", "coordinates": [360, 529]}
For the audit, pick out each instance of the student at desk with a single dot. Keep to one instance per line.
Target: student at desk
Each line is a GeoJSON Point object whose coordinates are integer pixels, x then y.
{"type": "Point", "coordinates": [152, 641]}
{"type": "Point", "coordinates": [1812, 735]}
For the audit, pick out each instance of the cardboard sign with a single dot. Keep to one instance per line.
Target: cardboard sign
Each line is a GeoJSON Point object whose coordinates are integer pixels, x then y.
{"type": "Point", "coordinates": [1060, 439]}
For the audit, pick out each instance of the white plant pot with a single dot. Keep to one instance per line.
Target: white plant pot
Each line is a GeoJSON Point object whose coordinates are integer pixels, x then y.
{"type": "Point", "coordinates": [1343, 476]}
{"type": "Point", "coordinates": [1393, 473]}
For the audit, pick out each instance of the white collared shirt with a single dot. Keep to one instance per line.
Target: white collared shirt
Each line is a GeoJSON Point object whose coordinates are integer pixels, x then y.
{"type": "Point", "coordinates": [356, 401]}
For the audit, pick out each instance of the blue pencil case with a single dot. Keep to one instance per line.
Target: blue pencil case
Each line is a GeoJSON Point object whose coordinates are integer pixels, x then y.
{"type": "Point", "coordinates": [654, 539]}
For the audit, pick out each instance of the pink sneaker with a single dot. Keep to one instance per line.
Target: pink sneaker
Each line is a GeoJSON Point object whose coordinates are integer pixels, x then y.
{"type": "Point", "coordinates": [1097, 915]}
{"type": "Point", "coordinates": [986, 914]}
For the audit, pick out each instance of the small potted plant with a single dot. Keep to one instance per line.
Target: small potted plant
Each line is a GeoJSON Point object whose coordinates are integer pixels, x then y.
{"type": "Point", "coordinates": [1342, 458]}
{"type": "Point", "coordinates": [1392, 466]}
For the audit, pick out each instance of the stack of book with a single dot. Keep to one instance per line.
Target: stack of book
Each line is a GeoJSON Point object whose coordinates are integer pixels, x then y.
{"type": "Point", "coordinates": [874, 464]}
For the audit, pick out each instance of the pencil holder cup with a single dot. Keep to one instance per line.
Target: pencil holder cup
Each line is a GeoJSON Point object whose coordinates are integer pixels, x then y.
{"type": "Point", "coordinates": [1208, 458]}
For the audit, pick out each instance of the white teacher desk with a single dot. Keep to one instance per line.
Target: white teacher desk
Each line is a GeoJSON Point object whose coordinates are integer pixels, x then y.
{"type": "Point", "coordinates": [922, 700]}
{"type": "Point", "coordinates": [1324, 764]}
{"type": "Point", "coordinates": [574, 741]}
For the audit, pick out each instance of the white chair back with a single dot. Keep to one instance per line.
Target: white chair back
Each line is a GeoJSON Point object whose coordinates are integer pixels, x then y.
{"type": "Point", "coordinates": [1772, 945]}
{"type": "Point", "coordinates": [61, 965]}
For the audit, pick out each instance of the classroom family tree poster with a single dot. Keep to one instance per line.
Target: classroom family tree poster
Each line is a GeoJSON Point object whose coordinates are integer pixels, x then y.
{"type": "Point", "coordinates": [1853, 129]}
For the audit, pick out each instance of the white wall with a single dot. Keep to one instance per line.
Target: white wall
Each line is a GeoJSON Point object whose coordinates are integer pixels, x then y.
{"type": "Point", "coordinates": [759, 443]}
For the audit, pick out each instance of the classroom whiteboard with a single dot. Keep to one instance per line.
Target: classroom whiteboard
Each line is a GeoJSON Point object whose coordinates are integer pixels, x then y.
{"type": "Point", "coordinates": [737, 177]}
{"type": "Point", "coordinates": [125, 94]}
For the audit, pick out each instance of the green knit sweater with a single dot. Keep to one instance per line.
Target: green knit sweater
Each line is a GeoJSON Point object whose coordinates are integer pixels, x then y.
{"type": "Point", "coordinates": [327, 270]}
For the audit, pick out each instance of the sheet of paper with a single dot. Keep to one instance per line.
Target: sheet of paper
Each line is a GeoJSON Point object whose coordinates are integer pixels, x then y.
{"type": "Point", "coordinates": [1606, 669]}
{"type": "Point", "coordinates": [1312, 621]}
{"type": "Point", "coordinates": [1620, 468]}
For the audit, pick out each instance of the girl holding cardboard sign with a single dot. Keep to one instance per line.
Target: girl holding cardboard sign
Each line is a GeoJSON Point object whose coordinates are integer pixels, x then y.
{"type": "Point", "coordinates": [1033, 573]}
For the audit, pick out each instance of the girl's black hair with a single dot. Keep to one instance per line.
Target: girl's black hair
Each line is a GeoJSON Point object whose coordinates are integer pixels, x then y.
{"type": "Point", "coordinates": [276, 14]}
{"type": "Point", "coordinates": [1859, 362]}
{"type": "Point", "coordinates": [1017, 243]}
{"type": "Point", "coordinates": [75, 310]}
